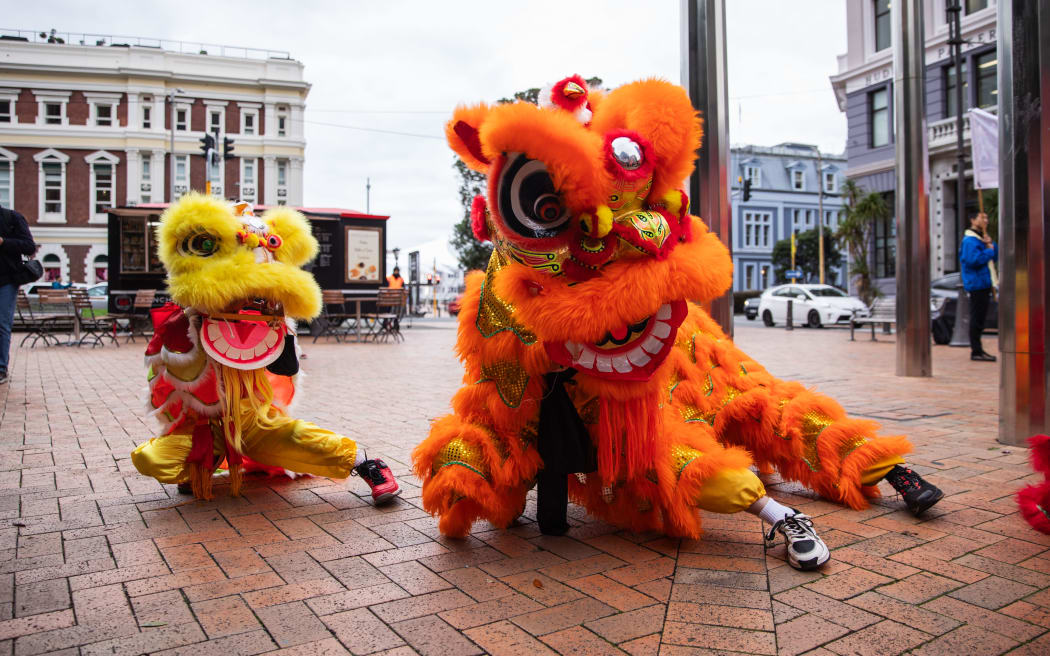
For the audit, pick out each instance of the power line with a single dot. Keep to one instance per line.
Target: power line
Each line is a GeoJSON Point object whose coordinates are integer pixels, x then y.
{"type": "Point", "coordinates": [783, 93]}
{"type": "Point", "coordinates": [359, 128]}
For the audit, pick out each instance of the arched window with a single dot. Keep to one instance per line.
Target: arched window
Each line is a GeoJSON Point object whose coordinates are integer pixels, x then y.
{"type": "Point", "coordinates": [52, 268]}
{"type": "Point", "coordinates": [101, 267]}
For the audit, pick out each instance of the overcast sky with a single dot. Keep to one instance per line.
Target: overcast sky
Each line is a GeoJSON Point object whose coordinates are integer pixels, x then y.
{"type": "Point", "coordinates": [402, 66]}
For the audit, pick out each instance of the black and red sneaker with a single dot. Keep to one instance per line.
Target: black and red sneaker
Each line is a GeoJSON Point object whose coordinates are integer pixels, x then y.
{"type": "Point", "coordinates": [918, 495]}
{"type": "Point", "coordinates": [379, 478]}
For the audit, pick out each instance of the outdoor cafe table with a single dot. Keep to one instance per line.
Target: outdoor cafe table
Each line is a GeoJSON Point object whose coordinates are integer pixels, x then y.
{"type": "Point", "coordinates": [357, 300]}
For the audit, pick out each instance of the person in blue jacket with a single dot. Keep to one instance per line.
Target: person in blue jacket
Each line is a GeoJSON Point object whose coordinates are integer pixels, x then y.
{"type": "Point", "coordinates": [975, 253]}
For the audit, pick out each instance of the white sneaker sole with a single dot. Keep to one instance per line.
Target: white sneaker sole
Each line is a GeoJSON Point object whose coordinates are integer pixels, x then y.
{"type": "Point", "coordinates": [385, 497]}
{"type": "Point", "coordinates": [810, 563]}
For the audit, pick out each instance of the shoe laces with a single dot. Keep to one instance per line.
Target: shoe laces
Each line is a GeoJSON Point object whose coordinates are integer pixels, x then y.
{"type": "Point", "coordinates": [373, 471]}
{"type": "Point", "coordinates": [794, 527]}
{"type": "Point", "coordinates": [904, 477]}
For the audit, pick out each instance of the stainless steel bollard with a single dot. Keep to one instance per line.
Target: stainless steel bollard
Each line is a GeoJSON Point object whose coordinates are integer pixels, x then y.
{"type": "Point", "coordinates": [961, 330]}
{"type": "Point", "coordinates": [790, 323]}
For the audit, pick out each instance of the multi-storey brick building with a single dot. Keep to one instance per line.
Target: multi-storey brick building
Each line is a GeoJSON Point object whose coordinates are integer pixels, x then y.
{"type": "Point", "coordinates": [864, 90]}
{"type": "Point", "coordinates": [86, 125]}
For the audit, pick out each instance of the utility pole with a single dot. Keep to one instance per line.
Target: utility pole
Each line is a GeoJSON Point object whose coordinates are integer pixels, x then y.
{"type": "Point", "coordinates": [955, 40]}
{"type": "Point", "coordinates": [368, 195]}
{"type": "Point", "coordinates": [820, 212]}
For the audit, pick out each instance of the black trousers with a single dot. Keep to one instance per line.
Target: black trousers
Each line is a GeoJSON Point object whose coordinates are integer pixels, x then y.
{"type": "Point", "coordinates": [979, 300]}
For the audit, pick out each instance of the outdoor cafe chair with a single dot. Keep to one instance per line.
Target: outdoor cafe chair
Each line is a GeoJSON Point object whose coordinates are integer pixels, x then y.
{"type": "Point", "coordinates": [386, 322]}
{"type": "Point", "coordinates": [57, 306]}
{"type": "Point", "coordinates": [138, 317]}
{"type": "Point", "coordinates": [89, 324]}
{"type": "Point", "coordinates": [333, 315]}
{"type": "Point", "coordinates": [38, 326]}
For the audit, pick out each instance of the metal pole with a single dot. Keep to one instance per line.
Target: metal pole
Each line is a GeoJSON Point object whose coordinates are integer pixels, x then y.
{"type": "Point", "coordinates": [171, 147]}
{"type": "Point", "coordinates": [913, 219]}
{"type": "Point", "coordinates": [955, 39]}
{"type": "Point", "coordinates": [704, 75]}
{"type": "Point", "coordinates": [1023, 34]}
{"type": "Point", "coordinates": [368, 195]}
{"type": "Point", "coordinates": [820, 212]}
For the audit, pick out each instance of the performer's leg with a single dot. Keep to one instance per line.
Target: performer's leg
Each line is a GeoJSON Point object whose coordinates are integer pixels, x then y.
{"type": "Point", "coordinates": [164, 458]}
{"type": "Point", "coordinates": [552, 502]}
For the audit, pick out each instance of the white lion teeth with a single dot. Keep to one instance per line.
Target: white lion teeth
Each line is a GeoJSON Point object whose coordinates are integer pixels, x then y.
{"type": "Point", "coordinates": [234, 353]}
{"type": "Point", "coordinates": [586, 359]}
{"type": "Point", "coordinates": [220, 344]}
{"type": "Point", "coordinates": [661, 329]}
{"type": "Point", "coordinates": [574, 349]}
{"type": "Point", "coordinates": [213, 332]}
{"type": "Point", "coordinates": [638, 357]}
{"type": "Point", "coordinates": [271, 338]}
{"type": "Point", "coordinates": [260, 348]}
{"type": "Point", "coordinates": [621, 364]}
{"type": "Point", "coordinates": [652, 345]}
{"type": "Point", "coordinates": [604, 363]}
{"type": "Point", "coordinates": [664, 313]}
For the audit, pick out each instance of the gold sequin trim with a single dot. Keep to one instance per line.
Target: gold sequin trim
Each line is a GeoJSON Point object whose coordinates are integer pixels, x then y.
{"type": "Point", "coordinates": [780, 418]}
{"type": "Point", "coordinates": [813, 424]}
{"type": "Point", "coordinates": [692, 413]}
{"type": "Point", "coordinates": [681, 456]}
{"type": "Point", "coordinates": [510, 379]}
{"type": "Point", "coordinates": [850, 446]}
{"type": "Point", "coordinates": [494, 314]}
{"type": "Point", "coordinates": [461, 452]}
{"type": "Point", "coordinates": [672, 384]}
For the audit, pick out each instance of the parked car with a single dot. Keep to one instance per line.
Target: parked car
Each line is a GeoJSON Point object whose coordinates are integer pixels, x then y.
{"type": "Point", "coordinates": [944, 299]}
{"type": "Point", "coordinates": [455, 304]}
{"type": "Point", "coordinates": [813, 305]}
{"type": "Point", "coordinates": [751, 308]}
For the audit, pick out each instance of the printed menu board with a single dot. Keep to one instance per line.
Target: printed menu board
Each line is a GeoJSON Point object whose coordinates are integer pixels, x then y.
{"type": "Point", "coordinates": [364, 254]}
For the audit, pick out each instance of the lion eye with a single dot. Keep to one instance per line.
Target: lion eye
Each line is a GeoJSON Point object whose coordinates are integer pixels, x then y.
{"type": "Point", "coordinates": [200, 244]}
{"type": "Point", "coordinates": [528, 201]}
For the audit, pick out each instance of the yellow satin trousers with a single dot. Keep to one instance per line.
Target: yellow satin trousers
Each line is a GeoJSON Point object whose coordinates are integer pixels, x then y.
{"type": "Point", "coordinates": [293, 444]}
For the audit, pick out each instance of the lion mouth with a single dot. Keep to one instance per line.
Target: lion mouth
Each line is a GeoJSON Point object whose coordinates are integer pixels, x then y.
{"type": "Point", "coordinates": [626, 352]}
{"type": "Point", "coordinates": [248, 334]}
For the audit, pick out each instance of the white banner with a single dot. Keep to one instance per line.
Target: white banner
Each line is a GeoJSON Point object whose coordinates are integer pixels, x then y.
{"type": "Point", "coordinates": [984, 139]}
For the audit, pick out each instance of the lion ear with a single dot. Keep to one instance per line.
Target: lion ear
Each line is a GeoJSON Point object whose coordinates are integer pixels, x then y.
{"type": "Point", "coordinates": [463, 136]}
{"type": "Point", "coordinates": [298, 245]}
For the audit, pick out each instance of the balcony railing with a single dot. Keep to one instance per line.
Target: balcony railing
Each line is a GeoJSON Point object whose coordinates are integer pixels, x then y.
{"type": "Point", "coordinates": [941, 134]}
{"type": "Point", "coordinates": [116, 40]}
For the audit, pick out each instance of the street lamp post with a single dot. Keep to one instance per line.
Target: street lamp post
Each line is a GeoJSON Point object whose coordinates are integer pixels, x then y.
{"type": "Point", "coordinates": [820, 212]}
{"type": "Point", "coordinates": [171, 143]}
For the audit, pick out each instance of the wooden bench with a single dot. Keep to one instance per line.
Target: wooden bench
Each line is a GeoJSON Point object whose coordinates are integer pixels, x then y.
{"type": "Point", "coordinates": [883, 311]}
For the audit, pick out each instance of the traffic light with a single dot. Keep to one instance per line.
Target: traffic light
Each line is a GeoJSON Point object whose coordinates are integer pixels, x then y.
{"type": "Point", "coordinates": [747, 190]}
{"type": "Point", "coordinates": [207, 145]}
{"type": "Point", "coordinates": [227, 148]}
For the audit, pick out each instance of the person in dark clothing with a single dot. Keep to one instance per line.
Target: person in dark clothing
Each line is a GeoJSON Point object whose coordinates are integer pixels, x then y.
{"type": "Point", "coordinates": [976, 253]}
{"type": "Point", "coordinates": [15, 241]}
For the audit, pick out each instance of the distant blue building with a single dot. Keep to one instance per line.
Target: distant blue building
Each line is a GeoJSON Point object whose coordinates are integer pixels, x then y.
{"type": "Point", "coordinates": [786, 187]}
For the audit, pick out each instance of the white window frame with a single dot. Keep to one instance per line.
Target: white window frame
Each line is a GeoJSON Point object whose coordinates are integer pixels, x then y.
{"type": "Point", "coordinates": [830, 176]}
{"type": "Point", "coordinates": [45, 97]}
{"type": "Point", "coordinates": [145, 178]}
{"type": "Point", "coordinates": [762, 224]}
{"type": "Point", "coordinates": [8, 159]}
{"type": "Point", "coordinates": [93, 253]}
{"type": "Point", "coordinates": [146, 113]}
{"type": "Point", "coordinates": [282, 115]}
{"type": "Point", "coordinates": [101, 157]}
{"type": "Point", "coordinates": [253, 186]}
{"type": "Point", "coordinates": [184, 181]}
{"type": "Point", "coordinates": [50, 156]}
{"type": "Point", "coordinates": [253, 111]}
{"type": "Point", "coordinates": [212, 113]}
{"type": "Point", "coordinates": [798, 179]}
{"type": "Point", "coordinates": [95, 118]}
{"type": "Point", "coordinates": [749, 275]}
{"type": "Point", "coordinates": [753, 172]}
{"type": "Point", "coordinates": [183, 107]}
{"type": "Point", "coordinates": [10, 97]}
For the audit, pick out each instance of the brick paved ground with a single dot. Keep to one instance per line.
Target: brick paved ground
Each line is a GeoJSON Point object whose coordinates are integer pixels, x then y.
{"type": "Point", "coordinates": [98, 559]}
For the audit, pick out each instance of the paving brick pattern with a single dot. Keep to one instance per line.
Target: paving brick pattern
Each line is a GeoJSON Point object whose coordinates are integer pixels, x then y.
{"type": "Point", "coordinates": [97, 559]}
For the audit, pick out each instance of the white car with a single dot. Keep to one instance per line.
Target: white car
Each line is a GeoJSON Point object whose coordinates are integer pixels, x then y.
{"type": "Point", "coordinates": [813, 305]}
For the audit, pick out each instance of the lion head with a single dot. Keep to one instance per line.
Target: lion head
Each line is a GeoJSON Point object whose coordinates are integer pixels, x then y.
{"type": "Point", "coordinates": [595, 250]}
{"type": "Point", "coordinates": [241, 272]}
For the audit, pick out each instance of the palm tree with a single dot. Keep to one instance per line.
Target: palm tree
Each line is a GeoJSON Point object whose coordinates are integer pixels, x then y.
{"type": "Point", "coordinates": [861, 212]}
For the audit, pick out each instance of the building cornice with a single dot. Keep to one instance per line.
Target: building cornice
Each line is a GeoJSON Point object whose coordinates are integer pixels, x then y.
{"type": "Point", "coordinates": [167, 75]}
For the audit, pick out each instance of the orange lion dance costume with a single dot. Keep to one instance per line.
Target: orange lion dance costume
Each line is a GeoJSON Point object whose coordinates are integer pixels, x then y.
{"type": "Point", "coordinates": [590, 294]}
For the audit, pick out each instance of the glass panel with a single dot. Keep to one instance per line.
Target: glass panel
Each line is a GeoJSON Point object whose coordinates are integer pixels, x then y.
{"type": "Point", "coordinates": [975, 5]}
{"type": "Point", "coordinates": [949, 88]}
{"type": "Point", "coordinates": [882, 24]}
{"type": "Point", "coordinates": [53, 113]}
{"type": "Point", "coordinates": [5, 111]}
{"type": "Point", "coordinates": [146, 113]}
{"type": "Point", "coordinates": [282, 173]}
{"type": "Point", "coordinates": [987, 86]}
{"type": "Point", "coordinates": [133, 244]}
{"type": "Point", "coordinates": [880, 124]}
{"type": "Point", "coordinates": [280, 126]}
{"type": "Point", "coordinates": [52, 188]}
{"type": "Point", "coordinates": [249, 173]}
{"type": "Point", "coordinates": [249, 124]}
{"type": "Point", "coordinates": [5, 184]}
{"type": "Point", "coordinates": [103, 187]}
{"type": "Point", "coordinates": [146, 170]}
{"type": "Point", "coordinates": [104, 115]}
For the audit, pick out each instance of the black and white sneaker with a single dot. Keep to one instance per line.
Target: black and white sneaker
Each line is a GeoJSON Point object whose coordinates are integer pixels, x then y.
{"type": "Point", "coordinates": [805, 549]}
{"type": "Point", "coordinates": [919, 495]}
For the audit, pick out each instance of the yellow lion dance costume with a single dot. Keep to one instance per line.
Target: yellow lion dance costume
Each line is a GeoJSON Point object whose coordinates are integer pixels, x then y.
{"type": "Point", "coordinates": [222, 363]}
{"type": "Point", "coordinates": [590, 296]}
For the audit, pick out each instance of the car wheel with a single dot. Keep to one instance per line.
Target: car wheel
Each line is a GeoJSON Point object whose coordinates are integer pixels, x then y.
{"type": "Point", "coordinates": [751, 316]}
{"type": "Point", "coordinates": [767, 318]}
{"type": "Point", "coordinates": [813, 319]}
